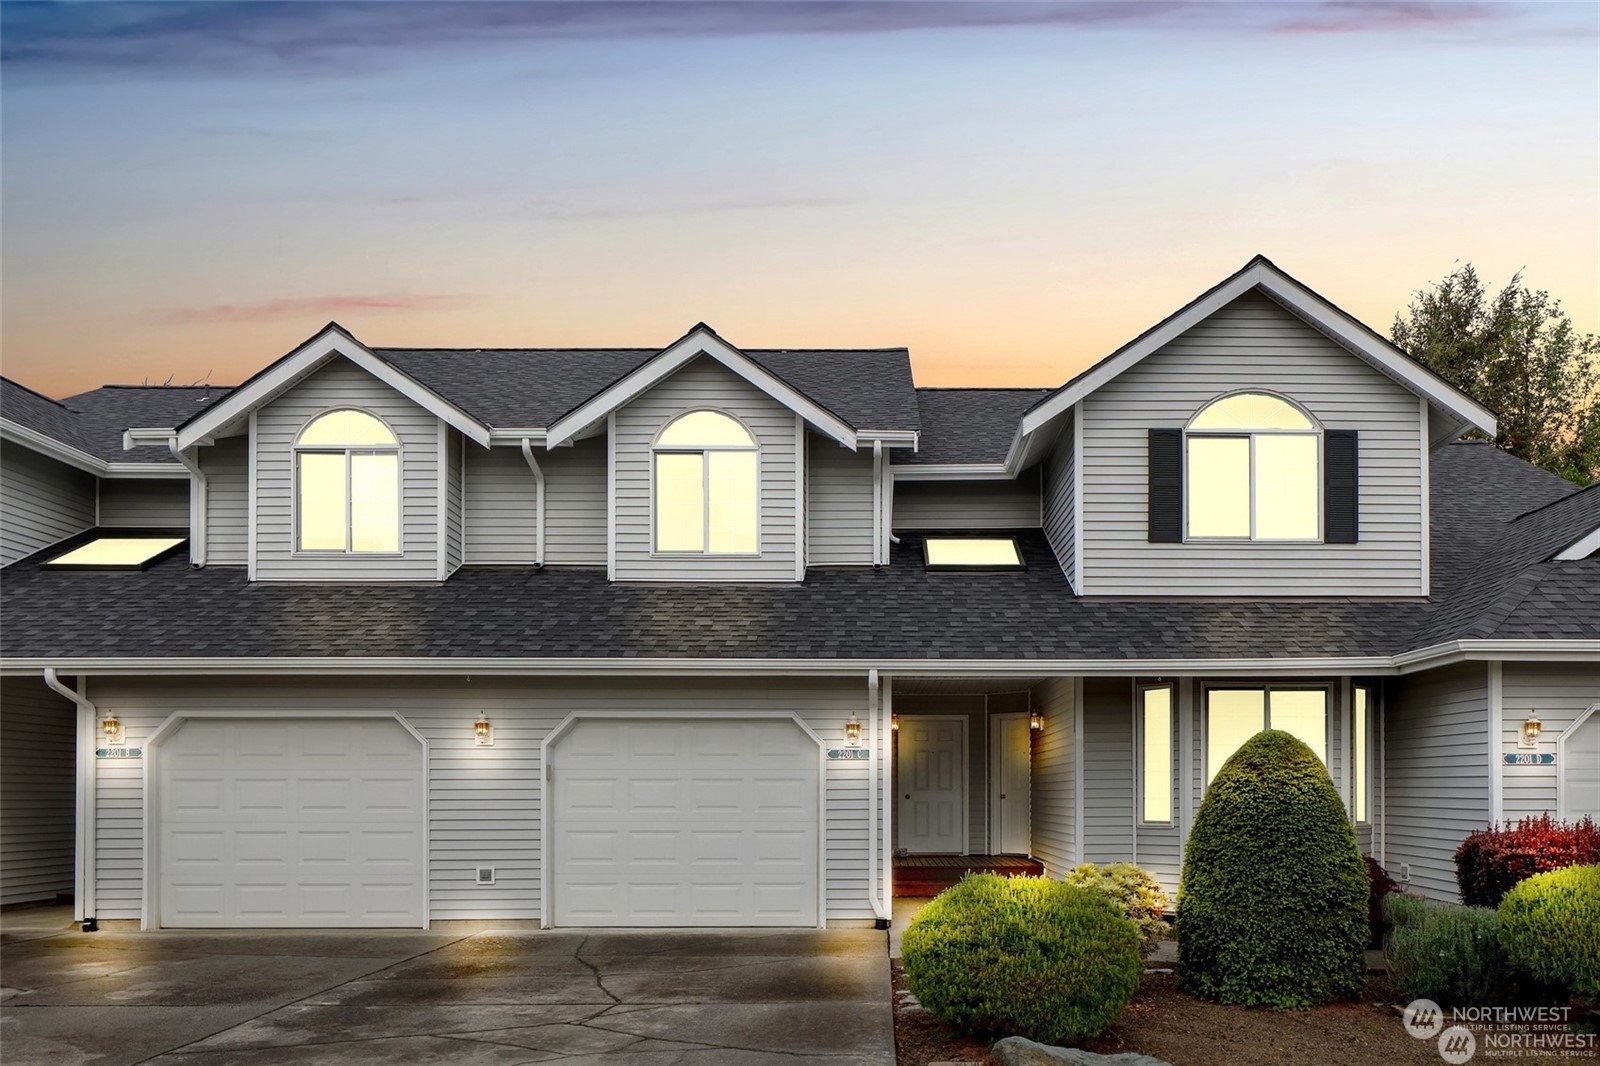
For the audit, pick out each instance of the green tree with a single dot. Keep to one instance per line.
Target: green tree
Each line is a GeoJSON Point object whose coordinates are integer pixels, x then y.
{"type": "Point", "coordinates": [1517, 354]}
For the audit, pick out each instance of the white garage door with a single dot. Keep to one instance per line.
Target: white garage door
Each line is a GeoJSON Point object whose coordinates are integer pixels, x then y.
{"type": "Point", "coordinates": [1580, 770]}
{"type": "Point", "coordinates": [290, 822]}
{"type": "Point", "coordinates": [684, 822]}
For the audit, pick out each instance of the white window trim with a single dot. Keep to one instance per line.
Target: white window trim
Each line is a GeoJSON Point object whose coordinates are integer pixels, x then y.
{"type": "Point", "coordinates": [1172, 753]}
{"type": "Point", "coordinates": [1361, 791]}
{"type": "Point", "coordinates": [1250, 435]}
{"type": "Point", "coordinates": [1561, 758]}
{"type": "Point", "coordinates": [397, 449]}
{"type": "Point", "coordinates": [705, 486]}
{"type": "Point", "coordinates": [1294, 686]}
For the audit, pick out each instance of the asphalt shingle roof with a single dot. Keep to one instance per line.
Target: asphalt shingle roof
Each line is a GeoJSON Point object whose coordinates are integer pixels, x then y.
{"type": "Point", "coordinates": [94, 421]}
{"type": "Point", "coordinates": [968, 425]}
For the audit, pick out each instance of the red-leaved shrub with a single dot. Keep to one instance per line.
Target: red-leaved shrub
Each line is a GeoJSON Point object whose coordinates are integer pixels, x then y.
{"type": "Point", "coordinates": [1380, 885]}
{"type": "Point", "coordinates": [1491, 861]}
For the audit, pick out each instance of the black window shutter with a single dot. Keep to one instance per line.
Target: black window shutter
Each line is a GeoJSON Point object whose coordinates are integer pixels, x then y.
{"type": "Point", "coordinates": [1340, 486]}
{"type": "Point", "coordinates": [1166, 486]}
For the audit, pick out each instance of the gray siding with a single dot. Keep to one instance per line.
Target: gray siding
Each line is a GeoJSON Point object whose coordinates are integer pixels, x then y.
{"type": "Point", "coordinates": [1052, 779]}
{"type": "Point", "coordinates": [501, 503]}
{"type": "Point", "coordinates": [704, 383]}
{"type": "Point", "coordinates": [342, 384]}
{"type": "Point", "coordinates": [1252, 344]}
{"type": "Point", "coordinates": [1058, 476]}
{"type": "Point", "coordinates": [967, 504]}
{"type": "Point", "coordinates": [227, 469]}
{"type": "Point", "coordinates": [41, 502]}
{"type": "Point", "coordinates": [838, 504]}
{"type": "Point", "coordinates": [484, 803]}
{"type": "Point", "coordinates": [37, 788]}
{"type": "Point", "coordinates": [1437, 777]}
{"type": "Point", "coordinates": [144, 502]}
{"type": "Point", "coordinates": [1559, 692]}
{"type": "Point", "coordinates": [454, 486]}
{"type": "Point", "coordinates": [1108, 791]}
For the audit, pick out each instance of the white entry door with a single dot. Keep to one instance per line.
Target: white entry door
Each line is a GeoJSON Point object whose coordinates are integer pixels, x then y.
{"type": "Point", "coordinates": [1011, 750]}
{"type": "Point", "coordinates": [1580, 769]}
{"type": "Point", "coordinates": [289, 822]}
{"type": "Point", "coordinates": [684, 822]}
{"type": "Point", "coordinates": [932, 775]}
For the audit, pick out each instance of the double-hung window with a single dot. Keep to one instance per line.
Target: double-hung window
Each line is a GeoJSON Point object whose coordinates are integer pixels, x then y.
{"type": "Point", "coordinates": [1234, 714]}
{"type": "Point", "coordinates": [347, 485]}
{"type": "Point", "coordinates": [1253, 464]}
{"type": "Point", "coordinates": [707, 474]}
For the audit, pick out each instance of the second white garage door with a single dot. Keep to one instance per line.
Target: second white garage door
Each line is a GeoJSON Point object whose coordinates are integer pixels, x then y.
{"type": "Point", "coordinates": [684, 822]}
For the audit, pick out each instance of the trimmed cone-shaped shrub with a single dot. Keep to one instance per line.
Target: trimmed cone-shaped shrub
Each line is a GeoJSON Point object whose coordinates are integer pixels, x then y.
{"type": "Point", "coordinates": [1272, 908]}
{"type": "Point", "coordinates": [1023, 956]}
{"type": "Point", "coordinates": [1550, 929]}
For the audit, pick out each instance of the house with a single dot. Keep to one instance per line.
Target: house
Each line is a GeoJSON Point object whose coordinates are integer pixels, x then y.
{"type": "Point", "coordinates": [704, 635]}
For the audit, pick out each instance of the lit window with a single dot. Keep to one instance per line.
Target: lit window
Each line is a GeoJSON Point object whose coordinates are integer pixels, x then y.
{"type": "Point", "coordinates": [1156, 753]}
{"type": "Point", "coordinates": [117, 553]}
{"type": "Point", "coordinates": [347, 469]}
{"type": "Point", "coordinates": [1253, 471]}
{"type": "Point", "coordinates": [1234, 715]}
{"type": "Point", "coordinates": [978, 553]}
{"type": "Point", "coordinates": [1360, 754]}
{"type": "Point", "coordinates": [707, 486]}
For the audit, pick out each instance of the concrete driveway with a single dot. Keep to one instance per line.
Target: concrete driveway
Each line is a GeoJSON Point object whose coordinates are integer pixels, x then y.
{"type": "Point", "coordinates": [500, 998]}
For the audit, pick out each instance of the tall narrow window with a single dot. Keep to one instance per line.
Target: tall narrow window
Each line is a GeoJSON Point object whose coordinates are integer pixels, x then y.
{"type": "Point", "coordinates": [1234, 715]}
{"type": "Point", "coordinates": [347, 493]}
{"type": "Point", "coordinates": [1361, 755]}
{"type": "Point", "coordinates": [1254, 471]}
{"type": "Point", "coordinates": [1155, 741]}
{"type": "Point", "coordinates": [707, 486]}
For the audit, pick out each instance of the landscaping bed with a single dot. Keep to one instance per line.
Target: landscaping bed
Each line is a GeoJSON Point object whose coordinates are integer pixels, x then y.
{"type": "Point", "coordinates": [1187, 1031]}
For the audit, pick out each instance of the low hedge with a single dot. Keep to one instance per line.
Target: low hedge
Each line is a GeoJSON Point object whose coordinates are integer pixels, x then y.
{"type": "Point", "coordinates": [1445, 952]}
{"type": "Point", "coordinates": [1140, 896]}
{"type": "Point", "coordinates": [1024, 956]}
{"type": "Point", "coordinates": [1491, 861]}
{"type": "Point", "coordinates": [1272, 908]}
{"type": "Point", "coordinates": [1550, 927]}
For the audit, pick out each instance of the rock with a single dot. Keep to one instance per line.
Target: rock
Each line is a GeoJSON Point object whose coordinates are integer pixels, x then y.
{"type": "Point", "coordinates": [1020, 1051]}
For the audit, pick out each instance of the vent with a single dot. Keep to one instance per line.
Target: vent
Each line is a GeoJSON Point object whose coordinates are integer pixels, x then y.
{"type": "Point", "coordinates": [485, 875]}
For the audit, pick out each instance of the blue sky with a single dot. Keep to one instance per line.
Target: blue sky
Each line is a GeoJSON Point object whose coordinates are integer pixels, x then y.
{"type": "Point", "coordinates": [1010, 189]}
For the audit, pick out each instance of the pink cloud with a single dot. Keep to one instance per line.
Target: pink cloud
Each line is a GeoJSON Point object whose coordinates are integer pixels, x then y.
{"type": "Point", "coordinates": [304, 307]}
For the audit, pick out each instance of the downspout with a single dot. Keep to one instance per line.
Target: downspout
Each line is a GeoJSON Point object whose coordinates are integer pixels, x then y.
{"type": "Point", "coordinates": [83, 901]}
{"type": "Point", "coordinates": [538, 503]}
{"type": "Point", "coordinates": [877, 503]}
{"type": "Point", "coordinates": [872, 801]}
{"type": "Point", "coordinates": [197, 510]}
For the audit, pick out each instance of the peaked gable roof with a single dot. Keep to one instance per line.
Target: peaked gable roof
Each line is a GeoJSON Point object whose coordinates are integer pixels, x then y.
{"type": "Point", "coordinates": [968, 426]}
{"type": "Point", "coordinates": [90, 425]}
{"type": "Point", "coordinates": [1261, 273]}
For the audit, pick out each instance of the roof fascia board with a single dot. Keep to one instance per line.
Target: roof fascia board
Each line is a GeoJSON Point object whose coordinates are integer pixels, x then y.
{"type": "Point", "coordinates": [328, 344]}
{"type": "Point", "coordinates": [1472, 650]}
{"type": "Point", "coordinates": [1580, 549]}
{"type": "Point", "coordinates": [48, 446]}
{"type": "Point", "coordinates": [121, 471]}
{"type": "Point", "coordinates": [699, 341]}
{"type": "Point", "coordinates": [951, 472]}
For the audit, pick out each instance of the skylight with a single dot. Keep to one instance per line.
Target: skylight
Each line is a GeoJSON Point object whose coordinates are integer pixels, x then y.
{"type": "Point", "coordinates": [985, 553]}
{"type": "Point", "coordinates": [117, 553]}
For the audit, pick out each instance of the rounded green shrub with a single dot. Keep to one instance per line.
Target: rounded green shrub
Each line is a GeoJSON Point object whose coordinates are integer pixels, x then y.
{"type": "Point", "coordinates": [1024, 956]}
{"type": "Point", "coordinates": [1272, 908]}
{"type": "Point", "coordinates": [1139, 895]}
{"type": "Point", "coordinates": [1550, 929]}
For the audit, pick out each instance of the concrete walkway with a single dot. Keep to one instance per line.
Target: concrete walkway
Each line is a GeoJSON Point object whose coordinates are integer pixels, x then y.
{"type": "Point", "coordinates": [678, 998]}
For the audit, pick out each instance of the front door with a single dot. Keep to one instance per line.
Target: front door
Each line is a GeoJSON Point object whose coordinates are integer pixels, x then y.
{"type": "Point", "coordinates": [1012, 747]}
{"type": "Point", "coordinates": [933, 795]}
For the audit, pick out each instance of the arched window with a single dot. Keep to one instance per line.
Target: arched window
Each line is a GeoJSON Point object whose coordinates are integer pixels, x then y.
{"type": "Point", "coordinates": [347, 485]}
{"type": "Point", "coordinates": [1253, 470]}
{"type": "Point", "coordinates": [707, 486]}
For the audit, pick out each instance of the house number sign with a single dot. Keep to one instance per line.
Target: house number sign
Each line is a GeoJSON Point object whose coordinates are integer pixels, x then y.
{"type": "Point", "coordinates": [849, 753]}
{"type": "Point", "coordinates": [118, 753]}
{"type": "Point", "coordinates": [1542, 758]}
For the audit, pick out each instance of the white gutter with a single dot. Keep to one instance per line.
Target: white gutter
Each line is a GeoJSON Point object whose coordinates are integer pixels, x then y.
{"type": "Point", "coordinates": [197, 502]}
{"type": "Point", "coordinates": [878, 907]}
{"type": "Point", "coordinates": [83, 894]}
{"type": "Point", "coordinates": [538, 502]}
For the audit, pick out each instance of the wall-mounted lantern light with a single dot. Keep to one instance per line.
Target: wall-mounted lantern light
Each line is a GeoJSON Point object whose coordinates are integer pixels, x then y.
{"type": "Point", "coordinates": [1035, 721]}
{"type": "Point", "coordinates": [894, 721]}
{"type": "Point", "coordinates": [852, 732]}
{"type": "Point", "coordinates": [111, 729]}
{"type": "Point", "coordinates": [483, 731]}
{"type": "Point", "coordinates": [1530, 732]}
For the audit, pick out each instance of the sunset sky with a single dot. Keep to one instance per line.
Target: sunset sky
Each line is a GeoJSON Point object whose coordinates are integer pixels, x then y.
{"type": "Point", "coordinates": [1011, 190]}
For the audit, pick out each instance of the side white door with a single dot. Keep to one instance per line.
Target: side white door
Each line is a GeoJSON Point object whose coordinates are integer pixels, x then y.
{"type": "Point", "coordinates": [932, 776]}
{"type": "Point", "coordinates": [1012, 744]}
{"type": "Point", "coordinates": [1580, 769]}
{"type": "Point", "coordinates": [289, 823]}
{"type": "Point", "coordinates": [684, 822]}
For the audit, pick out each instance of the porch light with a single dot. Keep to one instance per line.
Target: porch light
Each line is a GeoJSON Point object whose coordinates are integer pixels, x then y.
{"type": "Point", "coordinates": [852, 731]}
{"type": "Point", "coordinates": [483, 730]}
{"type": "Point", "coordinates": [1035, 721]}
{"type": "Point", "coordinates": [1530, 732]}
{"type": "Point", "coordinates": [111, 729]}
{"type": "Point", "coordinates": [894, 721]}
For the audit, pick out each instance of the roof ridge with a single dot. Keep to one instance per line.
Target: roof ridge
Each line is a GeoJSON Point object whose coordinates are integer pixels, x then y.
{"type": "Point", "coordinates": [586, 348]}
{"type": "Point", "coordinates": [984, 388]}
{"type": "Point", "coordinates": [36, 392]}
{"type": "Point", "coordinates": [1577, 491]}
{"type": "Point", "coordinates": [117, 385]}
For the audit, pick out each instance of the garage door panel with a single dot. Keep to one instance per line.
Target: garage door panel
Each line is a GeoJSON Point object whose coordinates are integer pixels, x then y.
{"type": "Point", "coordinates": [307, 842]}
{"type": "Point", "coordinates": [718, 823]}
